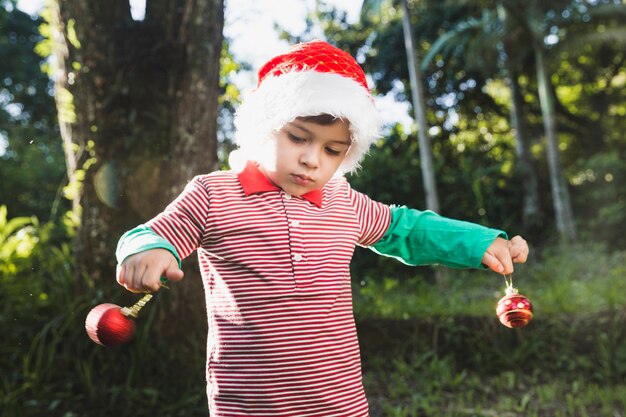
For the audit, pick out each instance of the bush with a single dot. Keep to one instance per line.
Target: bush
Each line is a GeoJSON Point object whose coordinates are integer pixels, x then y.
{"type": "Point", "coordinates": [48, 365]}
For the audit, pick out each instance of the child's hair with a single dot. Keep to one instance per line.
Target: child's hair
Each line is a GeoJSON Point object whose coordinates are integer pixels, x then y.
{"type": "Point", "coordinates": [321, 119]}
{"type": "Point", "coordinates": [310, 79]}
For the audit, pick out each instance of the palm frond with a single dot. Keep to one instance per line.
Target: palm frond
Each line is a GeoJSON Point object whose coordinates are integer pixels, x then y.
{"type": "Point", "coordinates": [451, 39]}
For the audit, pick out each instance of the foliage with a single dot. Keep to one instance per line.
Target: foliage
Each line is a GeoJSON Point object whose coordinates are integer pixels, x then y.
{"type": "Point", "coordinates": [48, 365]}
{"type": "Point", "coordinates": [439, 349]}
{"type": "Point", "coordinates": [481, 148]}
{"type": "Point", "coordinates": [17, 240]}
{"type": "Point", "coordinates": [563, 281]}
{"type": "Point", "coordinates": [469, 108]}
{"type": "Point", "coordinates": [428, 349]}
{"type": "Point", "coordinates": [228, 100]}
{"type": "Point", "coordinates": [462, 365]}
{"type": "Point", "coordinates": [32, 163]}
{"type": "Point", "coordinates": [428, 385]}
{"type": "Point", "coordinates": [601, 181]}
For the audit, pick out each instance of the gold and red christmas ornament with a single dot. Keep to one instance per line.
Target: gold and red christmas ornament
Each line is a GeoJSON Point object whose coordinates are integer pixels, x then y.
{"type": "Point", "coordinates": [514, 309]}
{"type": "Point", "coordinates": [111, 325]}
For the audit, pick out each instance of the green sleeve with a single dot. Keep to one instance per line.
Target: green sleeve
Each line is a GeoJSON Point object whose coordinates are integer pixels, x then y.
{"type": "Point", "coordinates": [140, 239]}
{"type": "Point", "coordinates": [423, 237]}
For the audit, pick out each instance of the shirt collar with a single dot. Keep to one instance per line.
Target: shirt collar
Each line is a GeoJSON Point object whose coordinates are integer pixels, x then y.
{"type": "Point", "coordinates": [253, 181]}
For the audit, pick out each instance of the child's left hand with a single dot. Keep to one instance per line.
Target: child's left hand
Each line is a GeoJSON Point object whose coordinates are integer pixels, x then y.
{"type": "Point", "coordinates": [502, 253]}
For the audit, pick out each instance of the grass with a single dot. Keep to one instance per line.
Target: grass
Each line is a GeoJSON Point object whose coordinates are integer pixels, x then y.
{"type": "Point", "coordinates": [471, 365]}
{"type": "Point", "coordinates": [439, 350]}
{"type": "Point", "coordinates": [584, 278]}
{"type": "Point", "coordinates": [447, 392]}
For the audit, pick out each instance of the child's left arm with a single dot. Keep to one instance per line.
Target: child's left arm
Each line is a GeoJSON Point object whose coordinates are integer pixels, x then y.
{"type": "Point", "coordinates": [423, 237]}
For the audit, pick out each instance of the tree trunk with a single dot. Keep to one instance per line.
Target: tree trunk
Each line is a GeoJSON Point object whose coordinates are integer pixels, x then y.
{"type": "Point", "coordinates": [531, 212]}
{"type": "Point", "coordinates": [138, 106]}
{"type": "Point", "coordinates": [560, 192]}
{"type": "Point", "coordinates": [419, 110]}
{"type": "Point", "coordinates": [514, 36]}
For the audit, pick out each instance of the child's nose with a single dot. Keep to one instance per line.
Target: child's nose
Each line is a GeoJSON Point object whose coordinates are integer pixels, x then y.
{"type": "Point", "coordinates": [310, 157]}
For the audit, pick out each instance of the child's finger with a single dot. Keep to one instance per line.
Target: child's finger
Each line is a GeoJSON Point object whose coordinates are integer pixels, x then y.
{"type": "Point", "coordinates": [132, 278]}
{"type": "Point", "coordinates": [507, 263]}
{"type": "Point", "coordinates": [150, 280]}
{"type": "Point", "coordinates": [519, 249]}
{"type": "Point", "coordinates": [492, 262]}
{"type": "Point", "coordinates": [128, 275]}
{"type": "Point", "coordinates": [173, 272]}
{"type": "Point", "coordinates": [119, 274]}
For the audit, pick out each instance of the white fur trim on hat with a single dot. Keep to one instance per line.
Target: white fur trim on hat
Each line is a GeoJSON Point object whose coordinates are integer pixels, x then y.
{"type": "Point", "coordinates": [281, 99]}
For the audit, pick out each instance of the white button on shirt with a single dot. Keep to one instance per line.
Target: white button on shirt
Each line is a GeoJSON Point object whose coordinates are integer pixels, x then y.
{"type": "Point", "coordinates": [297, 257]}
{"type": "Point", "coordinates": [295, 223]}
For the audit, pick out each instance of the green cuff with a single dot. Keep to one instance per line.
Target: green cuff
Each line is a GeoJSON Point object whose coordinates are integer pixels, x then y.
{"type": "Point", "coordinates": [423, 237]}
{"type": "Point", "coordinates": [140, 239]}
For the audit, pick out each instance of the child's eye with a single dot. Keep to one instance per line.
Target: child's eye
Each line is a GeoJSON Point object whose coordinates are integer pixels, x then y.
{"type": "Point", "coordinates": [333, 152]}
{"type": "Point", "coordinates": [294, 138]}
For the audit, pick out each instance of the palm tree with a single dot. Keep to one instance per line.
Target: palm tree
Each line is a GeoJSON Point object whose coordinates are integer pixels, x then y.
{"type": "Point", "coordinates": [531, 210]}
{"type": "Point", "coordinates": [560, 193]}
{"type": "Point", "coordinates": [417, 95]}
{"type": "Point", "coordinates": [522, 27]}
{"type": "Point", "coordinates": [535, 20]}
{"type": "Point", "coordinates": [534, 24]}
{"type": "Point", "coordinates": [483, 42]}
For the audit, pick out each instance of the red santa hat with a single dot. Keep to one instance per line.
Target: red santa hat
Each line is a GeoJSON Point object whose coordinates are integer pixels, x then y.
{"type": "Point", "coordinates": [310, 79]}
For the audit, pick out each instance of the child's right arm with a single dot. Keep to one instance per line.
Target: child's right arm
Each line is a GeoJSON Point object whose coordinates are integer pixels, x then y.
{"type": "Point", "coordinates": [157, 248]}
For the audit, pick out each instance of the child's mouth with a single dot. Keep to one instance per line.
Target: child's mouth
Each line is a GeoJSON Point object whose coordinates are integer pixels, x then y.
{"type": "Point", "coordinates": [301, 179]}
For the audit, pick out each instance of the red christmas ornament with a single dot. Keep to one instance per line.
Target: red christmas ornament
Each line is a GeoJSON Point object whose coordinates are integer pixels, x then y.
{"type": "Point", "coordinates": [107, 325]}
{"type": "Point", "coordinates": [514, 309]}
{"type": "Point", "coordinates": [110, 325]}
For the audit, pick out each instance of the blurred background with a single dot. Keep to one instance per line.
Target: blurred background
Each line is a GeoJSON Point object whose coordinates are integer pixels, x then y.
{"type": "Point", "coordinates": [507, 113]}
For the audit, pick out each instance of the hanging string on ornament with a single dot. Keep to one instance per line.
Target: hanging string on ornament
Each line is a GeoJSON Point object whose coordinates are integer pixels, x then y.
{"type": "Point", "coordinates": [111, 325]}
{"type": "Point", "coordinates": [514, 309]}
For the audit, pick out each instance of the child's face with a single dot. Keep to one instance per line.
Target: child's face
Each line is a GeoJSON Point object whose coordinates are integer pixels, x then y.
{"type": "Point", "coordinates": [308, 155]}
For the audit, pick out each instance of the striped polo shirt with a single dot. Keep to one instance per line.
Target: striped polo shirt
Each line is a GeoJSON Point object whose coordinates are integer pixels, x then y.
{"type": "Point", "coordinates": [276, 270]}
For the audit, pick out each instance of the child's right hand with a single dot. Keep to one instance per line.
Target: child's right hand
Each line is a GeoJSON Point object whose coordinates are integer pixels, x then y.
{"type": "Point", "coordinates": [142, 271]}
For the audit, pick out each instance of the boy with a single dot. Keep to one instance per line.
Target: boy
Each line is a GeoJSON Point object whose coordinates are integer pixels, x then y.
{"type": "Point", "coordinates": [275, 237]}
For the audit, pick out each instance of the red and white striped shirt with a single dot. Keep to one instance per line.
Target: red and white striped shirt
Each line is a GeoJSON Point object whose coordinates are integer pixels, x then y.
{"type": "Point", "coordinates": [282, 339]}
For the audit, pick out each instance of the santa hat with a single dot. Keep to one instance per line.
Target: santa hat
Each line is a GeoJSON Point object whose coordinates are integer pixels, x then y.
{"type": "Point", "coordinates": [310, 79]}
